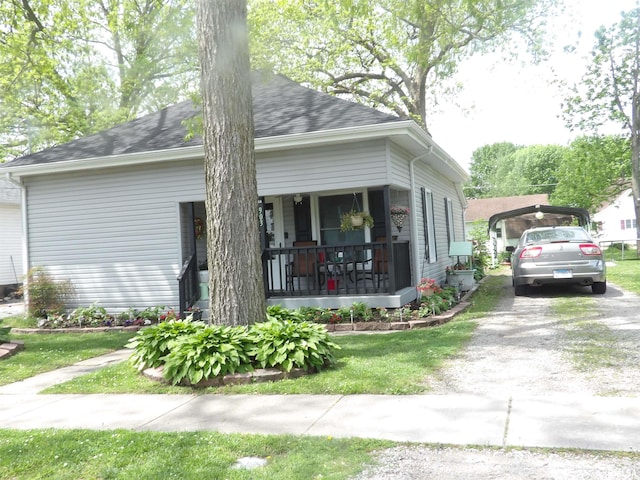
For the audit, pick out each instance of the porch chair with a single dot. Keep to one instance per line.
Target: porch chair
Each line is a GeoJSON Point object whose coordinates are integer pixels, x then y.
{"type": "Point", "coordinates": [381, 260]}
{"type": "Point", "coordinates": [303, 265]}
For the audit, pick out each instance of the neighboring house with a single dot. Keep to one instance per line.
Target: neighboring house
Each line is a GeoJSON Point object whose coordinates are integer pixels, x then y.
{"type": "Point", "coordinates": [616, 222]}
{"type": "Point", "coordinates": [10, 237]}
{"type": "Point", "coordinates": [119, 213]}
{"type": "Point", "coordinates": [481, 209]}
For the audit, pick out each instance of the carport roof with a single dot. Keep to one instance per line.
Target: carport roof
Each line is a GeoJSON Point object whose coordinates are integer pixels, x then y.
{"type": "Point", "coordinates": [580, 213]}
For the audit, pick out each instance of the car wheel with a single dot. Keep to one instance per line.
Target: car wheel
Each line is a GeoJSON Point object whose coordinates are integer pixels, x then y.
{"type": "Point", "coordinates": [520, 290]}
{"type": "Point", "coordinates": [599, 288]}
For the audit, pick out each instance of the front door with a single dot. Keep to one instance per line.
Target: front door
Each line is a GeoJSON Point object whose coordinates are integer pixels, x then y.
{"type": "Point", "coordinates": [275, 239]}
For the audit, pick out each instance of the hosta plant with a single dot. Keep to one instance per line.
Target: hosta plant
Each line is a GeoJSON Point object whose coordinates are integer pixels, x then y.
{"type": "Point", "coordinates": [152, 344]}
{"type": "Point", "coordinates": [287, 344]}
{"type": "Point", "coordinates": [210, 352]}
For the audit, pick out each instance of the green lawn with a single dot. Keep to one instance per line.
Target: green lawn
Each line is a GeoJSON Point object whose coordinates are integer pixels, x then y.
{"type": "Point", "coordinates": [624, 273]}
{"type": "Point", "coordinates": [46, 352]}
{"type": "Point", "coordinates": [76, 454]}
{"type": "Point", "coordinates": [392, 363]}
{"type": "Point", "coordinates": [389, 363]}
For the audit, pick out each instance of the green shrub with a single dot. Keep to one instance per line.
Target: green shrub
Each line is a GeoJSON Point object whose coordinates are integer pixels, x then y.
{"type": "Point", "coordinates": [277, 312]}
{"type": "Point", "coordinates": [46, 296]}
{"type": "Point", "coordinates": [92, 315]}
{"type": "Point", "coordinates": [209, 352]}
{"type": "Point", "coordinates": [285, 345]}
{"type": "Point", "coordinates": [152, 344]}
{"type": "Point", "coordinates": [4, 333]}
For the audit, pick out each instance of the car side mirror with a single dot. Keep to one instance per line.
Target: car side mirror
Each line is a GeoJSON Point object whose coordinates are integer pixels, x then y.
{"type": "Point", "coordinates": [511, 249]}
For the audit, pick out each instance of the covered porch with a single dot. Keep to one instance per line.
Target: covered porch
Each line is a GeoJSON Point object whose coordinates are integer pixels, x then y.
{"type": "Point", "coordinates": [308, 259]}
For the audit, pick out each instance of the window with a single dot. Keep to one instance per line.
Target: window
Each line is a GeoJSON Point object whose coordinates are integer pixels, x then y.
{"type": "Point", "coordinates": [448, 213]}
{"type": "Point", "coordinates": [331, 209]}
{"type": "Point", "coordinates": [429, 226]}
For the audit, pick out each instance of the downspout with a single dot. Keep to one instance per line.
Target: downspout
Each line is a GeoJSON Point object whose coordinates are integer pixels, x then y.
{"type": "Point", "coordinates": [414, 220]}
{"type": "Point", "coordinates": [25, 230]}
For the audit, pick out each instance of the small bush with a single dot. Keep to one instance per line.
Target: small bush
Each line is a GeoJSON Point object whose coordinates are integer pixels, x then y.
{"type": "Point", "coordinates": [209, 352]}
{"type": "Point", "coordinates": [93, 315]}
{"type": "Point", "coordinates": [285, 345]}
{"type": "Point", "coordinates": [4, 333]}
{"type": "Point", "coordinates": [277, 312]}
{"type": "Point", "coordinates": [46, 296]}
{"type": "Point", "coordinates": [152, 344]}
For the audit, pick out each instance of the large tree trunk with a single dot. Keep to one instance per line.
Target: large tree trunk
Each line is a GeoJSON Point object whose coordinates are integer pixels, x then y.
{"type": "Point", "coordinates": [235, 269]}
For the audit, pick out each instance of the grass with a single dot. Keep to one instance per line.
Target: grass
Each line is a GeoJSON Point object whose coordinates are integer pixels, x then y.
{"type": "Point", "coordinates": [46, 352]}
{"type": "Point", "coordinates": [624, 273]}
{"type": "Point", "coordinates": [72, 454]}
{"type": "Point", "coordinates": [592, 345]}
{"type": "Point", "coordinates": [394, 363]}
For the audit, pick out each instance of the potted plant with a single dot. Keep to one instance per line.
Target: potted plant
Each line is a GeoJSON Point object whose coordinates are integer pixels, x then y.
{"type": "Point", "coordinates": [355, 220]}
{"type": "Point", "coordinates": [461, 275]}
{"type": "Point", "coordinates": [427, 287]}
{"type": "Point", "coordinates": [398, 215]}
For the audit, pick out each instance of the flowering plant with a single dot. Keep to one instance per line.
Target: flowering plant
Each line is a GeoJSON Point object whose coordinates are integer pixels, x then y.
{"type": "Point", "coordinates": [457, 266]}
{"type": "Point", "coordinates": [399, 210]}
{"type": "Point", "coordinates": [428, 286]}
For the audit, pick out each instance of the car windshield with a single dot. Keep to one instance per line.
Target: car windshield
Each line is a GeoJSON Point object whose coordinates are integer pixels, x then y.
{"type": "Point", "coordinates": [557, 235]}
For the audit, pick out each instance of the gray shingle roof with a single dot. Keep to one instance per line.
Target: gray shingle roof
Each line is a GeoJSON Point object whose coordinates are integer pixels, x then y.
{"type": "Point", "coordinates": [280, 107]}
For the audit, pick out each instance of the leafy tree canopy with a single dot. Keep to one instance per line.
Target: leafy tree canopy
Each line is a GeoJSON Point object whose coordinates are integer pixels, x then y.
{"type": "Point", "coordinates": [73, 67]}
{"type": "Point", "coordinates": [485, 162]}
{"type": "Point", "coordinates": [610, 92]}
{"type": "Point", "coordinates": [391, 54]}
{"type": "Point", "coordinates": [594, 170]}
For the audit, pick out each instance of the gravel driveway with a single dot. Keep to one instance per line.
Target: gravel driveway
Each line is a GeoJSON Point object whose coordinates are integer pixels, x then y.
{"type": "Point", "coordinates": [527, 346]}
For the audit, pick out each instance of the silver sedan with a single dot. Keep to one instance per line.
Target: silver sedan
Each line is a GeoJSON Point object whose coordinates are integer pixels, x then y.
{"type": "Point", "coordinates": [557, 255]}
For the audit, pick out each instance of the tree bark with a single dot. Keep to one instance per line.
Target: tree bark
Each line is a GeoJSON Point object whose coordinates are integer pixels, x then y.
{"type": "Point", "coordinates": [233, 245]}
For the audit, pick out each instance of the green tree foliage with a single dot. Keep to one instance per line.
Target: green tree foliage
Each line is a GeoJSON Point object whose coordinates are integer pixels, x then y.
{"type": "Point", "coordinates": [610, 90]}
{"type": "Point", "coordinates": [395, 54]}
{"type": "Point", "coordinates": [528, 171]}
{"type": "Point", "coordinates": [485, 162]}
{"type": "Point", "coordinates": [73, 67]}
{"type": "Point", "coordinates": [594, 170]}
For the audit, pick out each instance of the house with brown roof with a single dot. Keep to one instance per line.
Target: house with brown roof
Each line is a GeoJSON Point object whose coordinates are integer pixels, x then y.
{"type": "Point", "coordinates": [481, 209]}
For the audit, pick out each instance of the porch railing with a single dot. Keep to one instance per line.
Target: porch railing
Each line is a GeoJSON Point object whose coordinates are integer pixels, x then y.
{"type": "Point", "coordinates": [354, 269]}
{"type": "Point", "coordinates": [188, 288]}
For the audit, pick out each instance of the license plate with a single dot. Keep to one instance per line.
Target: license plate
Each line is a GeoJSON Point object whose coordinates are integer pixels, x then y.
{"type": "Point", "coordinates": [562, 274]}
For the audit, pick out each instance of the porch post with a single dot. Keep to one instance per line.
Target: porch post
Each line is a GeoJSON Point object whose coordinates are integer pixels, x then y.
{"type": "Point", "coordinates": [388, 234]}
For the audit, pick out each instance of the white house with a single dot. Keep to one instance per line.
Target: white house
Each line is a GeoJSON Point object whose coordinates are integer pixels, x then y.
{"type": "Point", "coordinates": [616, 222]}
{"type": "Point", "coordinates": [11, 268]}
{"type": "Point", "coordinates": [118, 212]}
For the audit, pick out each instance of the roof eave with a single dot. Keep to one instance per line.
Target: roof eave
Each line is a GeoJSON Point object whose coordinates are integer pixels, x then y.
{"type": "Point", "coordinates": [407, 133]}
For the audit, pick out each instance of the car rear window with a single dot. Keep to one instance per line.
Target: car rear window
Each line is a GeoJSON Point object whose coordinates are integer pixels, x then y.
{"type": "Point", "coordinates": [557, 235]}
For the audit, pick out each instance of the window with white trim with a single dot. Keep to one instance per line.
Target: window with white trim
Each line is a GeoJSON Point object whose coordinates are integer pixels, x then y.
{"type": "Point", "coordinates": [448, 213]}
{"type": "Point", "coordinates": [429, 226]}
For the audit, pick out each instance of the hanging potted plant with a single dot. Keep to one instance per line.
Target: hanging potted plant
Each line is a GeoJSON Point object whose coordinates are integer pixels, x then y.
{"type": "Point", "coordinates": [398, 215]}
{"type": "Point", "coordinates": [355, 220]}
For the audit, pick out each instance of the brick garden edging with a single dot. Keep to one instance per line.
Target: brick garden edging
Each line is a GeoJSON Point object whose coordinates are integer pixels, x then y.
{"type": "Point", "coordinates": [133, 328]}
{"type": "Point", "coordinates": [408, 325]}
{"type": "Point", "coordinates": [259, 375]}
{"type": "Point", "coordinates": [10, 348]}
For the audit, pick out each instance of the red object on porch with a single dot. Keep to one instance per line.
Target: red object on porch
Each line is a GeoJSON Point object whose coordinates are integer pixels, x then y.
{"type": "Point", "coordinates": [333, 283]}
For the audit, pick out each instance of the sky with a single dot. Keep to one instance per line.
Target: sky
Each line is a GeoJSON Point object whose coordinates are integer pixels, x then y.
{"type": "Point", "coordinates": [518, 103]}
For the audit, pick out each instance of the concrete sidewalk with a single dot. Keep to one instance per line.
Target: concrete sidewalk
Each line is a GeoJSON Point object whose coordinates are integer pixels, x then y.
{"type": "Point", "coordinates": [602, 423]}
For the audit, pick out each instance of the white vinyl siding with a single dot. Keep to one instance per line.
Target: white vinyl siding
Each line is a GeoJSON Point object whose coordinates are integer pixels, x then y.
{"type": "Point", "coordinates": [10, 244]}
{"type": "Point", "coordinates": [115, 232]}
{"type": "Point", "coordinates": [343, 166]}
{"type": "Point", "coordinates": [401, 176]}
{"type": "Point", "coordinates": [440, 188]}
